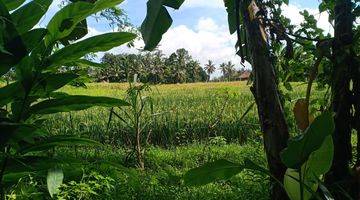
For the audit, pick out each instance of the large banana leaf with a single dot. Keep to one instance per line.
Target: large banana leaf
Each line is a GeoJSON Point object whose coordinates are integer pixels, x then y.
{"type": "Point", "coordinates": [73, 103]}
{"type": "Point", "coordinates": [97, 43]}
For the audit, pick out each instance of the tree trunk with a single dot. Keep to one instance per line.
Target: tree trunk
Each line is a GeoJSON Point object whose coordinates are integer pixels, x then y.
{"type": "Point", "coordinates": [356, 121]}
{"type": "Point", "coordinates": [342, 99]}
{"type": "Point", "coordinates": [270, 110]}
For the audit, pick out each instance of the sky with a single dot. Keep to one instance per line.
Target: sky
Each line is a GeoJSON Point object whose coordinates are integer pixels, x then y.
{"type": "Point", "coordinates": [200, 26]}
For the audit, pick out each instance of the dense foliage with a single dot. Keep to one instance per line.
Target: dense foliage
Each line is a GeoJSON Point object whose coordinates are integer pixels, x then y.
{"type": "Point", "coordinates": [50, 148]}
{"type": "Point", "coordinates": [25, 102]}
{"type": "Point", "coordinates": [261, 28]}
{"type": "Point", "coordinates": [179, 67]}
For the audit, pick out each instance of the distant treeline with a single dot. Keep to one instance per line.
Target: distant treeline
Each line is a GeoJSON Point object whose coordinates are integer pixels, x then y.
{"type": "Point", "coordinates": [150, 67]}
{"type": "Point", "coordinates": [154, 67]}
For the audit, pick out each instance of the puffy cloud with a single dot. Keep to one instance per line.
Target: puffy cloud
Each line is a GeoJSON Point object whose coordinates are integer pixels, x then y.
{"type": "Point", "coordinates": [203, 3]}
{"type": "Point", "coordinates": [211, 40]}
{"type": "Point", "coordinates": [293, 13]}
{"type": "Point", "coordinates": [207, 41]}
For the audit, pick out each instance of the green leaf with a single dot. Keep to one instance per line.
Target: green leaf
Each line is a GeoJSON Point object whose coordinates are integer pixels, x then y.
{"type": "Point", "coordinates": [51, 82]}
{"type": "Point", "coordinates": [24, 72]}
{"type": "Point", "coordinates": [103, 4]}
{"type": "Point", "coordinates": [97, 43]}
{"type": "Point", "coordinates": [15, 177]}
{"type": "Point", "coordinates": [85, 63]}
{"type": "Point", "coordinates": [322, 7]}
{"type": "Point", "coordinates": [173, 3]}
{"type": "Point", "coordinates": [58, 140]}
{"type": "Point", "coordinates": [13, 48]}
{"type": "Point", "coordinates": [7, 131]}
{"type": "Point", "coordinates": [33, 37]}
{"type": "Point", "coordinates": [292, 185]}
{"type": "Point", "coordinates": [73, 103]}
{"type": "Point", "coordinates": [65, 21]}
{"type": "Point", "coordinates": [27, 133]}
{"type": "Point", "coordinates": [320, 161]}
{"type": "Point", "coordinates": [13, 4]}
{"type": "Point", "coordinates": [210, 172]}
{"type": "Point", "coordinates": [80, 30]}
{"type": "Point", "coordinates": [27, 16]}
{"type": "Point", "coordinates": [9, 92]}
{"type": "Point", "coordinates": [15, 132]}
{"type": "Point", "coordinates": [300, 147]}
{"type": "Point", "coordinates": [230, 8]}
{"type": "Point", "coordinates": [157, 21]}
{"type": "Point", "coordinates": [54, 179]}
{"type": "Point", "coordinates": [39, 165]}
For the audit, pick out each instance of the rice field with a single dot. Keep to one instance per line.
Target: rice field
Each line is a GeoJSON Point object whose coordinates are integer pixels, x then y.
{"type": "Point", "coordinates": [184, 113]}
{"type": "Point", "coordinates": [189, 125]}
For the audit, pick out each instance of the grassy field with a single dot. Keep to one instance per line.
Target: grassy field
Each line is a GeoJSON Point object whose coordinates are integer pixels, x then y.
{"type": "Point", "coordinates": [186, 113]}
{"type": "Point", "coordinates": [194, 124]}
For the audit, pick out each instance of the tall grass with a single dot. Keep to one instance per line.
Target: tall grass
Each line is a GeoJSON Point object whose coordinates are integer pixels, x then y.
{"type": "Point", "coordinates": [184, 113]}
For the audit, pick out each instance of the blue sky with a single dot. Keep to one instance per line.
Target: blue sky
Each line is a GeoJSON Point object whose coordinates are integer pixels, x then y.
{"type": "Point", "coordinates": [189, 14]}
{"type": "Point", "coordinates": [200, 26]}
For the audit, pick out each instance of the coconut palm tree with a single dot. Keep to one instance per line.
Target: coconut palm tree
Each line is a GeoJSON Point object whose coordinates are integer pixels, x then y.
{"type": "Point", "coordinates": [230, 69]}
{"type": "Point", "coordinates": [223, 69]}
{"type": "Point", "coordinates": [210, 68]}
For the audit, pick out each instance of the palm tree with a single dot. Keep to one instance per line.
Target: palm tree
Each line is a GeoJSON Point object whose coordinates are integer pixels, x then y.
{"type": "Point", "coordinates": [230, 69]}
{"type": "Point", "coordinates": [210, 68]}
{"type": "Point", "coordinates": [223, 69]}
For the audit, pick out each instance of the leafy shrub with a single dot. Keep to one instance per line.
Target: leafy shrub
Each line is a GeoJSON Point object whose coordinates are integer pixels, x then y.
{"type": "Point", "coordinates": [92, 186]}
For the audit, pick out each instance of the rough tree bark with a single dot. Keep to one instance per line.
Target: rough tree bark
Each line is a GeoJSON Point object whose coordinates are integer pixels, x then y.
{"type": "Point", "coordinates": [265, 90]}
{"type": "Point", "coordinates": [342, 99]}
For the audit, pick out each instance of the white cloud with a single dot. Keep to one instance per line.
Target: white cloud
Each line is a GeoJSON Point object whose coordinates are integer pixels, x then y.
{"type": "Point", "coordinates": [292, 12]}
{"type": "Point", "coordinates": [211, 40]}
{"type": "Point", "coordinates": [207, 41]}
{"type": "Point", "coordinates": [203, 3]}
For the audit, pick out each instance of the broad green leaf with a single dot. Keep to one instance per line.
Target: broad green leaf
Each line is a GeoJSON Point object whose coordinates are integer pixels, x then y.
{"type": "Point", "coordinates": [15, 177]}
{"type": "Point", "coordinates": [13, 48]}
{"type": "Point", "coordinates": [9, 92]}
{"type": "Point", "coordinates": [27, 16]}
{"type": "Point", "coordinates": [15, 132]}
{"type": "Point", "coordinates": [39, 164]}
{"type": "Point", "coordinates": [85, 63]}
{"type": "Point", "coordinates": [230, 8]}
{"type": "Point", "coordinates": [58, 140]}
{"type": "Point", "coordinates": [13, 4]}
{"type": "Point", "coordinates": [27, 133]}
{"type": "Point", "coordinates": [7, 131]}
{"type": "Point", "coordinates": [54, 179]}
{"type": "Point", "coordinates": [24, 72]}
{"type": "Point", "coordinates": [103, 4]}
{"type": "Point", "coordinates": [73, 103]}
{"type": "Point", "coordinates": [173, 3]}
{"type": "Point", "coordinates": [97, 43]}
{"type": "Point", "coordinates": [292, 185]}
{"type": "Point", "coordinates": [320, 161]}
{"type": "Point", "coordinates": [210, 172]}
{"type": "Point", "coordinates": [65, 21]}
{"type": "Point", "coordinates": [33, 37]}
{"type": "Point", "coordinates": [157, 21]}
{"type": "Point", "coordinates": [300, 147]}
{"type": "Point", "coordinates": [51, 82]}
{"type": "Point", "coordinates": [80, 31]}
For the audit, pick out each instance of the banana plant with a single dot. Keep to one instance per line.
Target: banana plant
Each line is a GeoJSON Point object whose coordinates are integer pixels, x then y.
{"type": "Point", "coordinates": [36, 55]}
